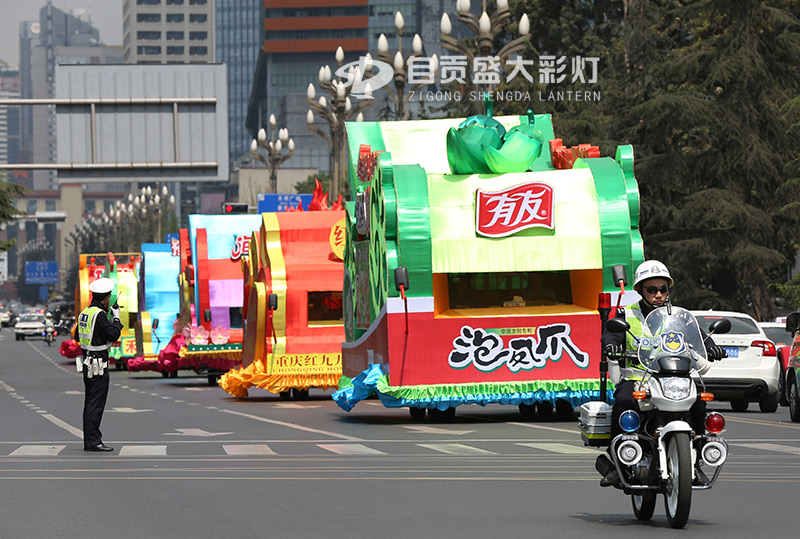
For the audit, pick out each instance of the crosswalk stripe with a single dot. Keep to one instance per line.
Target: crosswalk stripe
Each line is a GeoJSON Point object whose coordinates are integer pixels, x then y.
{"type": "Point", "coordinates": [143, 451]}
{"type": "Point", "coordinates": [457, 449]}
{"type": "Point", "coordinates": [248, 449]}
{"type": "Point", "coordinates": [772, 447]}
{"type": "Point", "coordinates": [564, 449]}
{"type": "Point", "coordinates": [350, 449]}
{"type": "Point", "coordinates": [37, 451]}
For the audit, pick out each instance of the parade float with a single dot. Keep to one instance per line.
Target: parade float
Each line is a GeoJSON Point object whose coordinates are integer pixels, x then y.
{"type": "Point", "coordinates": [208, 329]}
{"type": "Point", "coordinates": [476, 254]}
{"type": "Point", "coordinates": [159, 303]}
{"type": "Point", "coordinates": [123, 269]}
{"type": "Point", "coordinates": [294, 342]}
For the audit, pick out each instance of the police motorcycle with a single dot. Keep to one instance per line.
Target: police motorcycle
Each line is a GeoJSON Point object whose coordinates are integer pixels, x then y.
{"type": "Point", "coordinates": [658, 452]}
{"type": "Point", "coordinates": [49, 332]}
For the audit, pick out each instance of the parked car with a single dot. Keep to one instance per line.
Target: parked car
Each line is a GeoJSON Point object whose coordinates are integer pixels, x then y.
{"type": "Point", "coordinates": [29, 325]}
{"type": "Point", "coordinates": [5, 315]}
{"type": "Point", "coordinates": [776, 331]}
{"type": "Point", "coordinates": [751, 372]}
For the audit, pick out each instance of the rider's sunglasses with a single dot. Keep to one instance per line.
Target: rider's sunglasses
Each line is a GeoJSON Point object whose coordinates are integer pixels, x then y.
{"type": "Point", "coordinates": [655, 289]}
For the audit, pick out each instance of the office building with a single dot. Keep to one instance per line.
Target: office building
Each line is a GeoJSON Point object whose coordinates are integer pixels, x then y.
{"type": "Point", "coordinates": [168, 31]}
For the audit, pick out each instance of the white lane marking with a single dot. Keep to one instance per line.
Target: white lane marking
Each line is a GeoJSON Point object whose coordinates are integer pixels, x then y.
{"type": "Point", "coordinates": [295, 406]}
{"type": "Point", "coordinates": [564, 449]}
{"type": "Point", "coordinates": [37, 451]}
{"type": "Point", "coordinates": [773, 447]}
{"type": "Point", "coordinates": [534, 426]}
{"type": "Point", "coordinates": [64, 425]}
{"type": "Point", "coordinates": [457, 449]}
{"type": "Point", "coordinates": [5, 387]}
{"type": "Point", "coordinates": [293, 426]}
{"type": "Point", "coordinates": [143, 451]}
{"type": "Point", "coordinates": [195, 432]}
{"type": "Point", "coordinates": [248, 449]}
{"type": "Point", "coordinates": [422, 429]}
{"type": "Point", "coordinates": [350, 449]}
{"type": "Point", "coordinates": [125, 410]}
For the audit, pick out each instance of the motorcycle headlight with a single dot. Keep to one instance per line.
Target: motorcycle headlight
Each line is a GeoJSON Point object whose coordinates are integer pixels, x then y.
{"type": "Point", "coordinates": [676, 388]}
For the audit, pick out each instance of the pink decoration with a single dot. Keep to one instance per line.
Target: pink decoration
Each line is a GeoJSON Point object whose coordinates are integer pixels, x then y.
{"type": "Point", "coordinates": [219, 335]}
{"type": "Point", "coordinates": [199, 335]}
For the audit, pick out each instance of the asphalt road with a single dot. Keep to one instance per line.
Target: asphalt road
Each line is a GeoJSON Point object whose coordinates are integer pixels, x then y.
{"type": "Point", "coordinates": [192, 462]}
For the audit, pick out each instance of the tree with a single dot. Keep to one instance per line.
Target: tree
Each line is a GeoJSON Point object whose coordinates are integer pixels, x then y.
{"type": "Point", "coordinates": [307, 186]}
{"type": "Point", "coordinates": [712, 144]}
{"type": "Point", "coordinates": [9, 192]}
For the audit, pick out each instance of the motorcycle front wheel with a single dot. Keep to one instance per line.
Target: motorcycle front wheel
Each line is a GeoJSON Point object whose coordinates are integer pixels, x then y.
{"type": "Point", "coordinates": [644, 505]}
{"type": "Point", "coordinates": [678, 490]}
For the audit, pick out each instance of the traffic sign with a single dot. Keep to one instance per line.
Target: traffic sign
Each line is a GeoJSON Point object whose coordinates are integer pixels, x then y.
{"type": "Point", "coordinates": [269, 202]}
{"type": "Point", "coordinates": [41, 272]}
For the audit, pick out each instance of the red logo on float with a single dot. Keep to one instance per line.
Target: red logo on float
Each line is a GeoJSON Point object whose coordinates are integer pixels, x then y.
{"type": "Point", "coordinates": [503, 213]}
{"type": "Point", "coordinates": [241, 247]}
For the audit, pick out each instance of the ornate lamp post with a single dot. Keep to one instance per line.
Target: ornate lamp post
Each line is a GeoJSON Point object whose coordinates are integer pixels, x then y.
{"type": "Point", "coordinates": [485, 27]}
{"type": "Point", "coordinates": [274, 148]}
{"type": "Point", "coordinates": [335, 109]}
{"type": "Point", "coordinates": [413, 69]}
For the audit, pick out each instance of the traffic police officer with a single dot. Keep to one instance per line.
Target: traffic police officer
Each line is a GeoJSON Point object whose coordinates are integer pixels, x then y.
{"type": "Point", "coordinates": [97, 329]}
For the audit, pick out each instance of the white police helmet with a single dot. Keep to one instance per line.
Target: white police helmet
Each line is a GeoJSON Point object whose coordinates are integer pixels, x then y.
{"type": "Point", "coordinates": [101, 286]}
{"type": "Point", "coordinates": [650, 269]}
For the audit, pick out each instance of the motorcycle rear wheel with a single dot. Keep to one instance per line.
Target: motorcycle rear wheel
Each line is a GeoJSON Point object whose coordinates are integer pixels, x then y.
{"type": "Point", "coordinates": [678, 490]}
{"type": "Point", "coordinates": [644, 505]}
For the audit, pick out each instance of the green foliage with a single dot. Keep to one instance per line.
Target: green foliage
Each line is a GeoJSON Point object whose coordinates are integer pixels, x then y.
{"type": "Point", "coordinates": [308, 185]}
{"type": "Point", "coordinates": [9, 192]}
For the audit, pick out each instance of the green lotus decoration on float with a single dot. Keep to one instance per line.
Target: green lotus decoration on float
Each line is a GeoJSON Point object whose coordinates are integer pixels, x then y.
{"type": "Point", "coordinates": [481, 145]}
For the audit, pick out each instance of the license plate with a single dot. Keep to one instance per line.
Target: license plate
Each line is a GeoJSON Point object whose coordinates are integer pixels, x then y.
{"type": "Point", "coordinates": [732, 351]}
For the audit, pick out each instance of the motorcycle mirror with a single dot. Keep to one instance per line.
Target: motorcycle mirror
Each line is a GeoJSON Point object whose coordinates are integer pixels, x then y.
{"type": "Point", "coordinates": [720, 326]}
{"type": "Point", "coordinates": [793, 322]}
{"type": "Point", "coordinates": [617, 325]}
{"type": "Point", "coordinates": [618, 273]}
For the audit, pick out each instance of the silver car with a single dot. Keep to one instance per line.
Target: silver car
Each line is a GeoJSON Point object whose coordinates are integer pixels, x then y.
{"type": "Point", "coordinates": [751, 372]}
{"type": "Point", "coordinates": [29, 325]}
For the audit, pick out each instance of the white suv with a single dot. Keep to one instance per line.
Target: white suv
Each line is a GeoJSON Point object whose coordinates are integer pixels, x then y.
{"type": "Point", "coordinates": [751, 371]}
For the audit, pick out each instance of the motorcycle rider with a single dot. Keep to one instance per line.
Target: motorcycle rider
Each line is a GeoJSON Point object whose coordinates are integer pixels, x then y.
{"type": "Point", "coordinates": [49, 327]}
{"type": "Point", "coordinates": [652, 281]}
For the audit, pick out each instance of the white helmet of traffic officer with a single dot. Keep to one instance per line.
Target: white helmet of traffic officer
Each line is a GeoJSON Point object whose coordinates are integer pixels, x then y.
{"type": "Point", "coordinates": [650, 269]}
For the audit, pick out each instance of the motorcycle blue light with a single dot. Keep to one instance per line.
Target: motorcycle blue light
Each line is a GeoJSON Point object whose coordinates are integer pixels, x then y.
{"type": "Point", "coordinates": [629, 421]}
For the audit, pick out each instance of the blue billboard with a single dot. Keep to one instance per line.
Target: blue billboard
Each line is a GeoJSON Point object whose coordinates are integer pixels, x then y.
{"type": "Point", "coordinates": [41, 272]}
{"type": "Point", "coordinates": [268, 202]}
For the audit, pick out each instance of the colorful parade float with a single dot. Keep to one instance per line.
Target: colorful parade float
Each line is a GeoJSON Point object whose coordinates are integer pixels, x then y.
{"type": "Point", "coordinates": [159, 303]}
{"type": "Point", "coordinates": [293, 303]}
{"type": "Point", "coordinates": [477, 252]}
{"type": "Point", "coordinates": [123, 269]}
{"type": "Point", "coordinates": [208, 330]}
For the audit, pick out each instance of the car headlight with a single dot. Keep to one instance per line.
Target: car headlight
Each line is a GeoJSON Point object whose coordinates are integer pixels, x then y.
{"type": "Point", "coordinates": [675, 387]}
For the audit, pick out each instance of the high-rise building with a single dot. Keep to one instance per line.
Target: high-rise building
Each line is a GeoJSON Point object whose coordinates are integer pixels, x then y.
{"type": "Point", "coordinates": [58, 38]}
{"type": "Point", "coordinates": [238, 36]}
{"type": "Point", "coordinates": [9, 116]}
{"type": "Point", "coordinates": [168, 31]}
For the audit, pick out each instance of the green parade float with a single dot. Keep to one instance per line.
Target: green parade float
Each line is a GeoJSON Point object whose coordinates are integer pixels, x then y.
{"type": "Point", "coordinates": [477, 250]}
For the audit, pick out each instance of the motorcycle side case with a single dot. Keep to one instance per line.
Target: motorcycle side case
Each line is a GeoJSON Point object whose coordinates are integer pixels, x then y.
{"type": "Point", "coordinates": [595, 423]}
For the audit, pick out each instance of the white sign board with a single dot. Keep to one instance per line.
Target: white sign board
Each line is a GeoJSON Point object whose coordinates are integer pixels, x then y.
{"type": "Point", "coordinates": [3, 267]}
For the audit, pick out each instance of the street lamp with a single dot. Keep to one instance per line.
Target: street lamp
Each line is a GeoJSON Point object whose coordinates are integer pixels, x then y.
{"type": "Point", "coordinates": [413, 69]}
{"type": "Point", "coordinates": [274, 148]}
{"type": "Point", "coordinates": [485, 27]}
{"type": "Point", "coordinates": [336, 109]}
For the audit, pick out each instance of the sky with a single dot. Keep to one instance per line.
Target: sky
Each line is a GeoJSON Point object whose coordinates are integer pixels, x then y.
{"type": "Point", "coordinates": [106, 16]}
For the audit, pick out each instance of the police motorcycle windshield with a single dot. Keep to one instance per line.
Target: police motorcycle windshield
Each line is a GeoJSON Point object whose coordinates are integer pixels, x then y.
{"type": "Point", "coordinates": [671, 341]}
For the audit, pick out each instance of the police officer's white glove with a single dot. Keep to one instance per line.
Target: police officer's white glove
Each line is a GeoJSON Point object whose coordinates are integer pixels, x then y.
{"type": "Point", "coordinates": [114, 312]}
{"type": "Point", "coordinates": [79, 363]}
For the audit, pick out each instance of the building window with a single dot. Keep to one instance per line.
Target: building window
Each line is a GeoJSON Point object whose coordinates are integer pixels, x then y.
{"type": "Point", "coordinates": [174, 50]}
{"type": "Point", "coordinates": [198, 36]}
{"type": "Point", "coordinates": [49, 205]}
{"type": "Point", "coordinates": [198, 51]}
{"type": "Point", "coordinates": [88, 206]}
{"type": "Point", "coordinates": [148, 2]}
{"type": "Point", "coordinates": [174, 35]}
{"type": "Point", "coordinates": [148, 50]}
{"type": "Point", "coordinates": [174, 2]}
{"type": "Point", "coordinates": [198, 17]}
{"type": "Point", "coordinates": [198, 2]}
{"type": "Point", "coordinates": [148, 35]}
{"type": "Point", "coordinates": [30, 206]}
{"type": "Point", "coordinates": [174, 17]}
{"type": "Point", "coordinates": [148, 17]}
